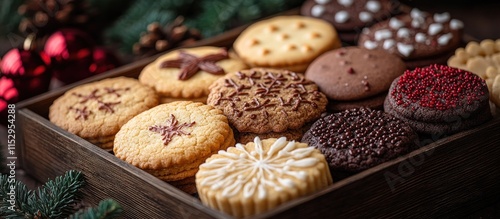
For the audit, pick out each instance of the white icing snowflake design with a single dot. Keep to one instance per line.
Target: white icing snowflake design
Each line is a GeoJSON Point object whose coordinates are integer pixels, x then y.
{"type": "Point", "coordinates": [257, 171]}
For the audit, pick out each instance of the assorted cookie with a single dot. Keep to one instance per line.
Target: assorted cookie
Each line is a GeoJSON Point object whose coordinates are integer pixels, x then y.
{"type": "Point", "coordinates": [186, 74]}
{"type": "Point", "coordinates": [419, 38]}
{"type": "Point", "coordinates": [360, 138]}
{"type": "Point", "coordinates": [355, 77]}
{"type": "Point", "coordinates": [482, 59]}
{"type": "Point", "coordinates": [349, 17]}
{"type": "Point", "coordinates": [286, 42]}
{"type": "Point", "coordinates": [97, 110]}
{"type": "Point", "coordinates": [268, 101]}
{"type": "Point", "coordinates": [171, 140]}
{"type": "Point", "coordinates": [253, 178]}
{"type": "Point", "coordinates": [439, 100]}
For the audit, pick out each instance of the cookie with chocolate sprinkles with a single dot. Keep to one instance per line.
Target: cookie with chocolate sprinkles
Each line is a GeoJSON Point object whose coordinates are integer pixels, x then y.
{"type": "Point", "coordinates": [267, 100]}
{"type": "Point", "coordinates": [358, 139]}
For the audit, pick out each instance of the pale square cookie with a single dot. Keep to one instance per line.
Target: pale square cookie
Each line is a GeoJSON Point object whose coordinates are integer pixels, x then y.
{"type": "Point", "coordinates": [288, 42]}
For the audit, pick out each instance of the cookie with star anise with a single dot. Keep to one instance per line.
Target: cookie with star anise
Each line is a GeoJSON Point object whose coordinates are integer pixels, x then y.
{"type": "Point", "coordinates": [97, 110]}
{"type": "Point", "coordinates": [186, 74]}
{"type": "Point", "coordinates": [171, 140]}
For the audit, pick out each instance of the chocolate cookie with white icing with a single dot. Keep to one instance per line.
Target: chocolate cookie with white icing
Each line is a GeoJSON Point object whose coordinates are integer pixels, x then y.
{"type": "Point", "coordinates": [419, 38]}
{"type": "Point", "coordinates": [349, 16]}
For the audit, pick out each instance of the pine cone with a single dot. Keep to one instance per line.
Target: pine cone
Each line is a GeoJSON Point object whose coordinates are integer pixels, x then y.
{"type": "Point", "coordinates": [43, 17]}
{"type": "Point", "coordinates": [158, 39]}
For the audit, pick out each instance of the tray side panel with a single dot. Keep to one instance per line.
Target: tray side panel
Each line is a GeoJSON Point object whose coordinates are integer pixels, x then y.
{"type": "Point", "coordinates": [48, 152]}
{"type": "Point", "coordinates": [451, 177]}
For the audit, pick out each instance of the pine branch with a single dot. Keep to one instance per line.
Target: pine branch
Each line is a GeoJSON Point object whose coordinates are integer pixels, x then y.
{"type": "Point", "coordinates": [57, 197]}
{"type": "Point", "coordinates": [107, 209]}
{"type": "Point", "coordinates": [8, 187]}
{"type": "Point", "coordinates": [54, 200]}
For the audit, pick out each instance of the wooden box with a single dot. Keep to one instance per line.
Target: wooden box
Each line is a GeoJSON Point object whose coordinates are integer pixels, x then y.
{"type": "Point", "coordinates": [447, 177]}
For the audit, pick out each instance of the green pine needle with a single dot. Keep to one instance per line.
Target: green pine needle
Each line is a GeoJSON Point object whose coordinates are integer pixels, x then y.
{"type": "Point", "coordinates": [55, 199]}
{"type": "Point", "coordinates": [107, 209]}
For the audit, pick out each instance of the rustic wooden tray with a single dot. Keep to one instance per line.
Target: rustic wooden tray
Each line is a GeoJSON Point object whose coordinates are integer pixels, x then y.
{"type": "Point", "coordinates": [447, 177]}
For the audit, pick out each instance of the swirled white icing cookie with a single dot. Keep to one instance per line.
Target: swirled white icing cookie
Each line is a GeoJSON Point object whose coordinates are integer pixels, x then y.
{"type": "Point", "coordinates": [256, 177]}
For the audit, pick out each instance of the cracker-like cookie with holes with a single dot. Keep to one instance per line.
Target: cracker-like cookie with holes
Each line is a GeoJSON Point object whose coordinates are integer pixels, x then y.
{"type": "Point", "coordinates": [186, 74]}
{"type": "Point", "coordinates": [171, 140]}
{"type": "Point", "coordinates": [286, 42]}
{"type": "Point", "coordinates": [349, 17]}
{"type": "Point", "coordinates": [96, 111]}
{"type": "Point", "coordinates": [268, 101]}
{"type": "Point", "coordinates": [419, 38]}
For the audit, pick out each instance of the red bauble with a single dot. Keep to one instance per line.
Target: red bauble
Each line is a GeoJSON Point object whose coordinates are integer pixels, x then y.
{"type": "Point", "coordinates": [71, 53]}
{"type": "Point", "coordinates": [28, 70]}
{"type": "Point", "coordinates": [8, 95]}
{"type": "Point", "coordinates": [103, 60]}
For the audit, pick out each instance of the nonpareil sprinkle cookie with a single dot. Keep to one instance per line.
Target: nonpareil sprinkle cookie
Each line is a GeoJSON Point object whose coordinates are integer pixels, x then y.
{"type": "Point", "coordinates": [286, 42]}
{"type": "Point", "coordinates": [96, 111]}
{"type": "Point", "coordinates": [439, 100]}
{"type": "Point", "coordinates": [360, 138]}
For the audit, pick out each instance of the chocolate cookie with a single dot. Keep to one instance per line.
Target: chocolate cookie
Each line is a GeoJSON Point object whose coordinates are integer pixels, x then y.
{"type": "Point", "coordinates": [420, 38]}
{"type": "Point", "coordinates": [267, 100]}
{"type": "Point", "coordinates": [352, 76]}
{"type": "Point", "coordinates": [348, 16]}
{"type": "Point", "coordinates": [357, 139]}
{"type": "Point", "coordinates": [439, 99]}
{"type": "Point", "coordinates": [375, 102]}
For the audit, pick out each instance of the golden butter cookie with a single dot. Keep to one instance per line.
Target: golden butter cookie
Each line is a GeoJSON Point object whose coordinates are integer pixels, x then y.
{"type": "Point", "coordinates": [267, 100]}
{"type": "Point", "coordinates": [96, 111]}
{"type": "Point", "coordinates": [249, 179]}
{"type": "Point", "coordinates": [289, 42]}
{"type": "Point", "coordinates": [171, 140]}
{"type": "Point", "coordinates": [186, 74]}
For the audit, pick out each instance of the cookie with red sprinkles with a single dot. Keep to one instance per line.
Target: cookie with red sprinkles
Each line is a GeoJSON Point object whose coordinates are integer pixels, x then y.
{"type": "Point", "coordinates": [439, 99]}
{"type": "Point", "coordinates": [360, 138]}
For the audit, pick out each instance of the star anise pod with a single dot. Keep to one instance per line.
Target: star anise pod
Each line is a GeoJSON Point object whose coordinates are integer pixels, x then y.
{"type": "Point", "coordinates": [158, 39]}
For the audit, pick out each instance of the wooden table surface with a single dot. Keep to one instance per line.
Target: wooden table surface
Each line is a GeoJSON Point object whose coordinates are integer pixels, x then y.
{"type": "Point", "coordinates": [482, 21]}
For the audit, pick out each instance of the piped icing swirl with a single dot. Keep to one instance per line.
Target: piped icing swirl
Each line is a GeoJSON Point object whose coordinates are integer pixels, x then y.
{"type": "Point", "coordinates": [261, 173]}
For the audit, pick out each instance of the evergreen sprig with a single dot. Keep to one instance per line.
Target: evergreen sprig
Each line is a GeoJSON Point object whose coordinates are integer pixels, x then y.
{"type": "Point", "coordinates": [55, 199]}
{"type": "Point", "coordinates": [107, 209]}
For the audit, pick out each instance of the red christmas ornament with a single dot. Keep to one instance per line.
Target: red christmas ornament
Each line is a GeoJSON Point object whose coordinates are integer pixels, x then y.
{"type": "Point", "coordinates": [8, 95]}
{"type": "Point", "coordinates": [71, 52]}
{"type": "Point", "coordinates": [103, 60]}
{"type": "Point", "coordinates": [28, 70]}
